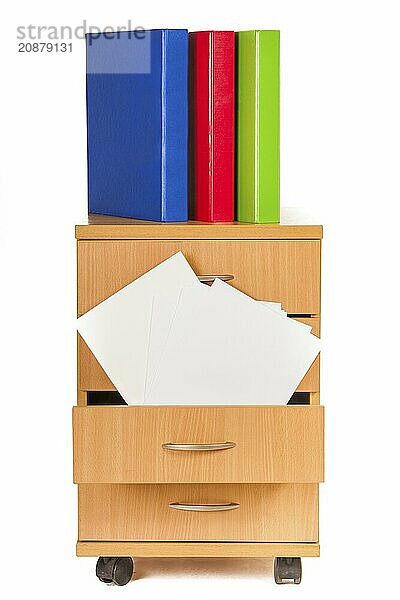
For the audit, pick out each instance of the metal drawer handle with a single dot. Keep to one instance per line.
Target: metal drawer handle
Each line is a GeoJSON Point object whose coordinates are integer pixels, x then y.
{"type": "Point", "coordinates": [211, 278]}
{"type": "Point", "coordinates": [199, 447]}
{"type": "Point", "coordinates": [204, 507]}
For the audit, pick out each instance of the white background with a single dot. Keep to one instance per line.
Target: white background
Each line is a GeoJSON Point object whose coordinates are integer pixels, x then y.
{"type": "Point", "coordinates": [340, 160]}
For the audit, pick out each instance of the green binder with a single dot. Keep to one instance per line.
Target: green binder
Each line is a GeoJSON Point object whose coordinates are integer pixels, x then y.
{"type": "Point", "coordinates": [258, 126]}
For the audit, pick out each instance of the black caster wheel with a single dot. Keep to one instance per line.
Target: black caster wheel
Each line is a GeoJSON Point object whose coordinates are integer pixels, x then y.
{"type": "Point", "coordinates": [287, 570]}
{"type": "Point", "coordinates": [115, 571]}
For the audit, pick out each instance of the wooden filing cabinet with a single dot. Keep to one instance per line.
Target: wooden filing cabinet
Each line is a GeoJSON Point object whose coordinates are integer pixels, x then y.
{"type": "Point", "coordinates": [144, 487]}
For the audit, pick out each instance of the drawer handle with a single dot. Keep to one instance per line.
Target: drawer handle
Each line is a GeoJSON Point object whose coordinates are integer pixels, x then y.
{"type": "Point", "coordinates": [204, 507]}
{"type": "Point", "coordinates": [211, 278]}
{"type": "Point", "coordinates": [199, 447]}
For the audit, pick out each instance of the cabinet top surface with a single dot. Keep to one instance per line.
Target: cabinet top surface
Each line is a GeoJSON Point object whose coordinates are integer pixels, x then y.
{"type": "Point", "coordinates": [104, 227]}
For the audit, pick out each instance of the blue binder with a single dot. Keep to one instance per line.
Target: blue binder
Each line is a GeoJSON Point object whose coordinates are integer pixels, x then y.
{"type": "Point", "coordinates": [137, 118]}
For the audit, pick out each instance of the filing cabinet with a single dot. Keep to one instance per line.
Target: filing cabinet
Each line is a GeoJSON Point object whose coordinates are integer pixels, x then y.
{"type": "Point", "coordinates": [195, 481]}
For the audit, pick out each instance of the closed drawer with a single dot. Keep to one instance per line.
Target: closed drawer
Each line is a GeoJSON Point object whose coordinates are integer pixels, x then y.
{"type": "Point", "coordinates": [124, 444]}
{"type": "Point", "coordinates": [286, 271]}
{"type": "Point", "coordinates": [273, 513]}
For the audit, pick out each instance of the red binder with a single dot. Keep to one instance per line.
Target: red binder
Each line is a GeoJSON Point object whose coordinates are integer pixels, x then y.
{"type": "Point", "coordinates": [213, 106]}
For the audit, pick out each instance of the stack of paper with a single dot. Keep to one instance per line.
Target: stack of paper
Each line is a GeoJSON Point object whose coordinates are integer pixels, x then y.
{"type": "Point", "coordinates": [168, 339]}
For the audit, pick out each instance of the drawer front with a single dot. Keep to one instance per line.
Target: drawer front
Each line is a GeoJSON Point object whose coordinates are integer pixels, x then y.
{"type": "Point", "coordinates": [124, 444]}
{"type": "Point", "coordinates": [276, 270]}
{"type": "Point", "coordinates": [92, 377]}
{"type": "Point", "coordinates": [270, 513]}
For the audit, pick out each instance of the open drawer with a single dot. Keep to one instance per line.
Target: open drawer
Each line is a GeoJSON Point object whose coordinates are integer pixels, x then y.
{"type": "Point", "coordinates": [92, 377]}
{"type": "Point", "coordinates": [198, 444]}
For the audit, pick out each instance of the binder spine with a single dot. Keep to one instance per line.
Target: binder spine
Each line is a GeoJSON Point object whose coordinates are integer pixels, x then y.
{"type": "Point", "coordinates": [174, 125]}
{"type": "Point", "coordinates": [246, 126]}
{"type": "Point", "coordinates": [258, 127]}
{"type": "Point", "coordinates": [223, 121]}
{"type": "Point", "coordinates": [164, 44]}
{"type": "Point", "coordinates": [268, 126]}
{"type": "Point", "coordinates": [203, 124]}
{"type": "Point", "coordinates": [214, 55]}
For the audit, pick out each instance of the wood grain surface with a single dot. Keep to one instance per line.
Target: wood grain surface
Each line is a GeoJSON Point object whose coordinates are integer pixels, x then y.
{"type": "Point", "coordinates": [123, 444]}
{"type": "Point", "coordinates": [108, 227]}
{"type": "Point", "coordinates": [280, 271]}
{"type": "Point", "coordinates": [196, 549]}
{"type": "Point", "coordinates": [142, 512]}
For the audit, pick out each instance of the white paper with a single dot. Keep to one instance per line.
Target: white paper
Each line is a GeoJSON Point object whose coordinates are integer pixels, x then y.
{"type": "Point", "coordinates": [224, 349]}
{"type": "Point", "coordinates": [273, 305]}
{"type": "Point", "coordinates": [164, 308]}
{"type": "Point", "coordinates": [117, 330]}
{"type": "Point", "coordinates": [277, 307]}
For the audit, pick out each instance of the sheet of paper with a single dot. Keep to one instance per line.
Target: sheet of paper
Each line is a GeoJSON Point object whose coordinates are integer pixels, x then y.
{"type": "Point", "coordinates": [273, 305]}
{"type": "Point", "coordinates": [164, 308]}
{"type": "Point", "coordinates": [117, 330]}
{"type": "Point", "coordinates": [277, 307]}
{"type": "Point", "coordinates": [223, 349]}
